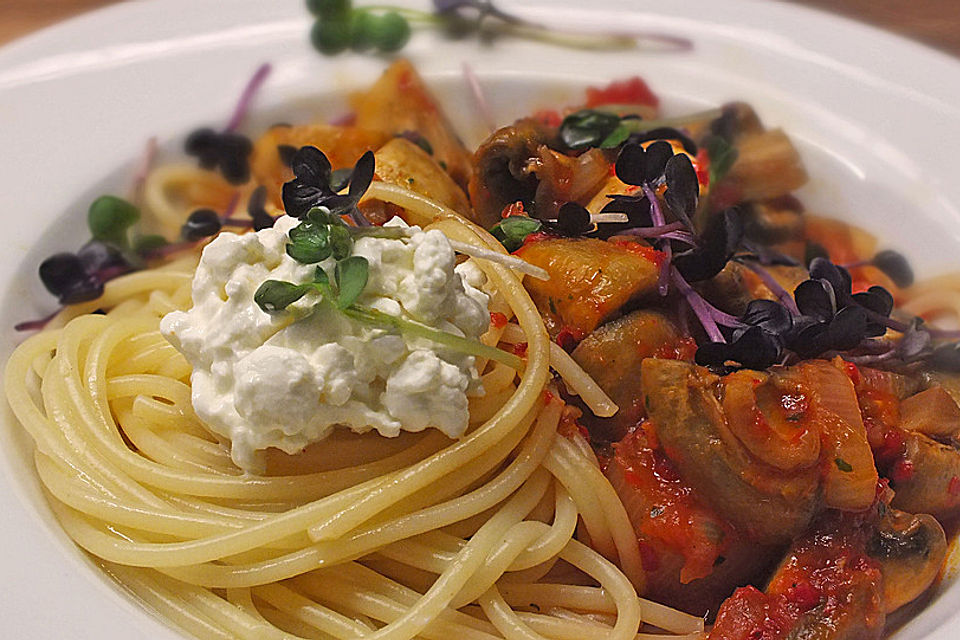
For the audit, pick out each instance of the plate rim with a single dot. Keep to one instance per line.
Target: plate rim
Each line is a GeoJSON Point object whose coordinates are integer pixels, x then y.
{"type": "Point", "coordinates": [57, 35]}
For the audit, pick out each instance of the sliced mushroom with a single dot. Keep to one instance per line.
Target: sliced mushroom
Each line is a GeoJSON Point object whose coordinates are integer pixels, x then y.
{"type": "Point", "coordinates": [767, 166]}
{"type": "Point", "coordinates": [911, 550]}
{"type": "Point", "coordinates": [926, 478]}
{"type": "Point", "coordinates": [769, 505]}
{"type": "Point", "coordinates": [502, 172]}
{"type": "Point", "coordinates": [932, 412]}
{"type": "Point", "coordinates": [774, 221]}
{"type": "Point", "coordinates": [612, 355]}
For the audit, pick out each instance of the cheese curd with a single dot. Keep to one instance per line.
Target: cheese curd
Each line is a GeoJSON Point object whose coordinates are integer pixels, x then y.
{"type": "Point", "coordinates": [285, 380]}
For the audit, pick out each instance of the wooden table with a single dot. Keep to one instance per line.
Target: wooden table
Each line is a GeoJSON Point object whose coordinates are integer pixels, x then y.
{"type": "Point", "coordinates": [935, 22]}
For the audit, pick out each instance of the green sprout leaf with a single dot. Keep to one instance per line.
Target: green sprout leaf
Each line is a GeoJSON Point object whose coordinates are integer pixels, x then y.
{"type": "Point", "coordinates": [309, 243]}
{"type": "Point", "coordinates": [321, 215]}
{"type": "Point", "coordinates": [588, 128]}
{"type": "Point", "coordinates": [389, 32]}
{"type": "Point", "coordinates": [340, 241]}
{"type": "Point", "coordinates": [351, 275]}
{"type": "Point", "coordinates": [616, 138]}
{"type": "Point", "coordinates": [110, 217]}
{"type": "Point", "coordinates": [149, 242]}
{"type": "Point", "coordinates": [275, 295]}
{"type": "Point", "coordinates": [722, 156]}
{"type": "Point", "coordinates": [327, 8]}
{"type": "Point", "coordinates": [512, 231]}
{"type": "Point", "coordinates": [331, 35]}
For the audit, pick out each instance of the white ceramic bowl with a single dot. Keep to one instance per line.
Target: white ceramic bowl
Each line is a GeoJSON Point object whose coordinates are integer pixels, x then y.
{"type": "Point", "coordinates": [876, 118]}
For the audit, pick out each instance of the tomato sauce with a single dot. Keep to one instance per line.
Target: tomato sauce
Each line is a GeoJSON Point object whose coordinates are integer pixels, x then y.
{"type": "Point", "coordinates": [677, 520]}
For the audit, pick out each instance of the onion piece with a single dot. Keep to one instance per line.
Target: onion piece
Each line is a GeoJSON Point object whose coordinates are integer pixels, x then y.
{"type": "Point", "coordinates": [754, 405]}
{"type": "Point", "coordinates": [849, 472]}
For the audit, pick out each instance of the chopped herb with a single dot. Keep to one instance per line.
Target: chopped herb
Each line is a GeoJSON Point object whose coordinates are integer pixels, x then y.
{"type": "Point", "coordinates": [843, 465]}
{"type": "Point", "coordinates": [512, 231]}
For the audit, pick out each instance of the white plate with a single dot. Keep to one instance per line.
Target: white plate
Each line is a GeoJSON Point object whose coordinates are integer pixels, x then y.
{"type": "Point", "coordinates": [876, 117]}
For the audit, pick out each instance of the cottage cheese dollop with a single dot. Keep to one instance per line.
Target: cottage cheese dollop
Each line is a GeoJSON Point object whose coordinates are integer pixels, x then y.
{"type": "Point", "coordinates": [285, 380]}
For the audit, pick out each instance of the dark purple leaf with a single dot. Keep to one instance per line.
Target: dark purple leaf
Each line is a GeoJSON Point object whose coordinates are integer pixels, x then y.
{"type": "Point", "coordinates": [752, 348]}
{"type": "Point", "coordinates": [631, 165]}
{"type": "Point", "coordinates": [838, 277]}
{"type": "Point", "coordinates": [683, 187]}
{"type": "Point", "coordinates": [718, 243]}
{"type": "Point", "coordinates": [667, 133]}
{"type": "Point", "coordinates": [655, 160]}
{"type": "Point", "coordinates": [879, 302]}
{"type": "Point", "coordinates": [895, 266]}
{"type": "Point", "coordinates": [362, 175]}
{"type": "Point", "coordinates": [769, 315]}
{"type": "Point", "coordinates": [202, 223]}
{"type": "Point", "coordinates": [573, 220]}
{"type": "Point", "coordinates": [816, 298]}
{"type": "Point", "coordinates": [311, 166]}
{"type": "Point", "coordinates": [847, 329]}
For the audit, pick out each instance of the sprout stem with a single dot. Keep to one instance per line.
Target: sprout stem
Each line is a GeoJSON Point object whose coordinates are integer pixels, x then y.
{"type": "Point", "coordinates": [453, 341]}
{"type": "Point", "coordinates": [656, 215]}
{"type": "Point", "coordinates": [782, 294]}
{"type": "Point", "coordinates": [243, 105]}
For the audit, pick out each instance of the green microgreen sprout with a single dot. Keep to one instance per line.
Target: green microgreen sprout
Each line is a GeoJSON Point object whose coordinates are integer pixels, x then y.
{"type": "Point", "coordinates": [386, 29]}
{"type": "Point", "coordinates": [110, 219]}
{"type": "Point", "coordinates": [322, 235]}
{"type": "Point", "coordinates": [603, 127]}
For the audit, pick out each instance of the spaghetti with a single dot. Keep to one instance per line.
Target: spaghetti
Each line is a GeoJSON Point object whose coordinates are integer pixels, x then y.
{"type": "Point", "coordinates": [359, 536]}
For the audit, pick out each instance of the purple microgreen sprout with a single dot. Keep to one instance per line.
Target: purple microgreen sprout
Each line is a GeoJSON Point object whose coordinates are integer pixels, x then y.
{"type": "Point", "coordinates": [663, 278]}
{"type": "Point", "coordinates": [709, 316]}
{"type": "Point", "coordinates": [775, 287]}
{"type": "Point", "coordinates": [479, 99]}
{"type": "Point", "coordinates": [891, 263]}
{"type": "Point", "coordinates": [143, 170]}
{"type": "Point", "coordinates": [246, 97]}
{"type": "Point", "coordinates": [655, 231]}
